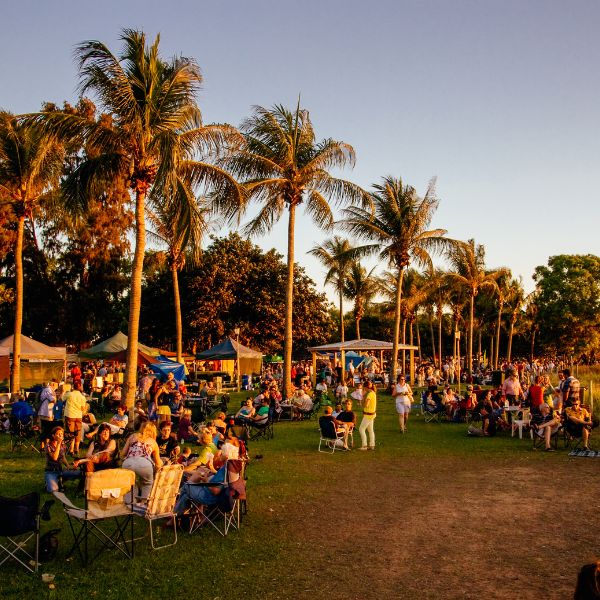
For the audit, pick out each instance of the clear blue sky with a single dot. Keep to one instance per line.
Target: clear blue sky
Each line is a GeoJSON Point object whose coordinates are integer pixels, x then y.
{"type": "Point", "coordinates": [499, 99]}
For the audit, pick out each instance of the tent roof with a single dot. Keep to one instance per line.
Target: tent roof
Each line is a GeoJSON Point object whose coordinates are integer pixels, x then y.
{"type": "Point", "coordinates": [229, 349]}
{"type": "Point", "coordinates": [113, 345]}
{"type": "Point", "coordinates": [361, 345]}
{"type": "Point", "coordinates": [31, 349]}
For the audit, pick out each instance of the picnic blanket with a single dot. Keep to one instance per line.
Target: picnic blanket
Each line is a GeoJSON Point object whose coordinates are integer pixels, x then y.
{"type": "Point", "coordinates": [585, 453]}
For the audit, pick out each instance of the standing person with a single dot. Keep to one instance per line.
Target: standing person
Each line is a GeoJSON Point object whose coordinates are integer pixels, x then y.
{"type": "Point", "coordinates": [511, 388]}
{"type": "Point", "coordinates": [403, 396]}
{"type": "Point", "coordinates": [142, 456]}
{"type": "Point", "coordinates": [46, 410]}
{"type": "Point", "coordinates": [369, 413]}
{"type": "Point", "coordinates": [75, 406]}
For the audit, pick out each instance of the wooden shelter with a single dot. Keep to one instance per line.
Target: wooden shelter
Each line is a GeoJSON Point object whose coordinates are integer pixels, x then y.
{"type": "Point", "coordinates": [361, 346]}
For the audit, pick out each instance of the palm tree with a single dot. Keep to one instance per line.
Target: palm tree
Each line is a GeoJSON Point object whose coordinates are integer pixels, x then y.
{"type": "Point", "coordinates": [282, 167]}
{"type": "Point", "coordinates": [30, 164]}
{"type": "Point", "coordinates": [181, 226]}
{"type": "Point", "coordinates": [501, 292]}
{"type": "Point", "coordinates": [397, 227]}
{"type": "Point", "coordinates": [468, 262]}
{"type": "Point", "coordinates": [515, 299]}
{"type": "Point", "coordinates": [334, 255]}
{"type": "Point", "coordinates": [155, 137]}
{"type": "Point", "coordinates": [438, 287]}
{"type": "Point", "coordinates": [361, 287]}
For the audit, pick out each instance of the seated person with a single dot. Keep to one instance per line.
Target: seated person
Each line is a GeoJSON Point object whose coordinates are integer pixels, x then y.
{"type": "Point", "coordinates": [88, 422]}
{"type": "Point", "coordinates": [488, 416]}
{"type": "Point", "coordinates": [258, 400]}
{"type": "Point", "coordinates": [246, 411]}
{"type": "Point", "coordinates": [320, 389]}
{"type": "Point", "coordinates": [341, 391]}
{"type": "Point", "coordinates": [432, 401]}
{"type": "Point", "coordinates": [346, 420]}
{"type": "Point", "coordinates": [185, 431]}
{"type": "Point", "coordinates": [467, 403]}
{"type": "Point", "coordinates": [211, 391]}
{"type": "Point", "coordinates": [100, 454]}
{"type": "Point", "coordinates": [219, 422]}
{"type": "Point", "coordinates": [449, 401]}
{"type": "Point", "coordinates": [119, 420]}
{"type": "Point", "coordinates": [163, 410]}
{"type": "Point", "coordinates": [261, 416]}
{"type": "Point", "coordinates": [545, 423]}
{"type": "Point", "coordinates": [301, 404]}
{"type": "Point", "coordinates": [168, 447]}
{"type": "Point", "coordinates": [337, 411]}
{"type": "Point", "coordinates": [578, 422]}
{"type": "Point", "coordinates": [328, 428]}
{"type": "Point", "coordinates": [203, 468]}
{"type": "Point", "coordinates": [176, 404]}
{"type": "Point", "coordinates": [57, 467]}
{"type": "Point", "coordinates": [22, 411]}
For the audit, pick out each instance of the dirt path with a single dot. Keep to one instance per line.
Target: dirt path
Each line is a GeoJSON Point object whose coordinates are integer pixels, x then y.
{"type": "Point", "coordinates": [448, 528]}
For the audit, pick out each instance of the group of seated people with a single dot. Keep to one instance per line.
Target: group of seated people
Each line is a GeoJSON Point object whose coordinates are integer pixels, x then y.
{"type": "Point", "coordinates": [339, 424]}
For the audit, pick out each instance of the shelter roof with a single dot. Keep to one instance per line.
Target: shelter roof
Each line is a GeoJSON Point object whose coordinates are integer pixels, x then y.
{"type": "Point", "coordinates": [363, 345]}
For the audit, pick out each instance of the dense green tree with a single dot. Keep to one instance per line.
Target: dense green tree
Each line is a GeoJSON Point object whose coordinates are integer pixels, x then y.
{"type": "Point", "coordinates": [234, 284]}
{"type": "Point", "coordinates": [30, 165]}
{"type": "Point", "coordinates": [284, 166]}
{"type": "Point", "coordinates": [568, 302]}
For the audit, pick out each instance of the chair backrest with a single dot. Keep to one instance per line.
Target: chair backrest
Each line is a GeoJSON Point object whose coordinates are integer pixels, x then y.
{"type": "Point", "coordinates": [164, 490]}
{"type": "Point", "coordinates": [105, 492]}
{"type": "Point", "coordinates": [19, 515]}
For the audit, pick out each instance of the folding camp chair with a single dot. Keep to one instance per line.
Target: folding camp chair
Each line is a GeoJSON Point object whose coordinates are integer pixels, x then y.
{"type": "Point", "coordinates": [19, 523]}
{"type": "Point", "coordinates": [106, 516]}
{"type": "Point", "coordinates": [330, 438]}
{"type": "Point", "coordinates": [262, 430]}
{"type": "Point", "coordinates": [22, 434]}
{"type": "Point", "coordinates": [218, 503]}
{"type": "Point", "coordinates": [161, 500]}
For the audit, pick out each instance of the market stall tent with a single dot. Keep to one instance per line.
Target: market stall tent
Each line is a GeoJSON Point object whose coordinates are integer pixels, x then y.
{"type": "Point", "coordinates": [113, 346]}
{"type": "Point", "coordinates": [230, 351]}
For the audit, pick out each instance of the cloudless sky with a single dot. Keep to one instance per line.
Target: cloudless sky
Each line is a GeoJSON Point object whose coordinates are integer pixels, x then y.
{"type": "Point", "coordinates": [498, 99]}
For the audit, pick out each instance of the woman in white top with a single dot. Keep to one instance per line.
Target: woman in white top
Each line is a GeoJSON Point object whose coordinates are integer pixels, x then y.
{"type": "Point", "coordinates": [403, 396]}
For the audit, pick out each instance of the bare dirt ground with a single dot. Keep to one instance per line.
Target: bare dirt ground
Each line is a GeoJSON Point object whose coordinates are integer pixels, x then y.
{"type": "Point", "coordinates": [443, 528]}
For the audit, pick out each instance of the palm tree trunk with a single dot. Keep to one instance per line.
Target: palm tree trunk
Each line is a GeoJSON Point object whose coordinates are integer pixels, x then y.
{"type": "Point", "coordinates": [393, 365]}
{"type": "Point", "coordinates": [135, 300]}
{"type": "Point", "coordinates": [510, 337]}
{"type": "Point", "coordinates": [432, 337]}
{"type": "Point", "coordinates": [289, 297]}
{"type": "Point", "coordinates": [419, 341]}
{"type": "Point", "coordinates": [357, 328]}
{"type": "Point", "coordinates": [341, 317]}
{"type": "Point", "coordinates": [440, 318]}
{"type": "Point", "coordinates": [177, 303]}
{"type": "Point", "coordinates": [404, 344]}
{"type": "Point", "coordinates": [532, 345]}
{"type": "Point", "coordinates": [15, 383]}
{"type": "Point", "coordinates": [498, 327]}
{"type": "Point", "coordinates": [470, 350]}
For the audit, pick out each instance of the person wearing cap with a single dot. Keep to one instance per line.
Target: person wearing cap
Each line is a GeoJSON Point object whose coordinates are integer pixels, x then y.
{"type": "Point", "coordinates": [369, 413]}
{"type": "Point", "coordinates": [511, 388]}
{"type": "Point", "coordinates": [578, 422]}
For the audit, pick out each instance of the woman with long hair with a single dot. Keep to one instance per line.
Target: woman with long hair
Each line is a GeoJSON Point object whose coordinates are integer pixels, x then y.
{"type": "Point", "coordinates": [142, 456]}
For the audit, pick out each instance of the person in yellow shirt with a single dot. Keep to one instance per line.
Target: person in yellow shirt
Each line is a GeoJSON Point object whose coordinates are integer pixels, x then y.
{"type": "Point", "coordinates": [579, 422]}
{"type": "Point", "coordinates": [369, 407]}
{"type": "Point", "coordinates": [75, 406]}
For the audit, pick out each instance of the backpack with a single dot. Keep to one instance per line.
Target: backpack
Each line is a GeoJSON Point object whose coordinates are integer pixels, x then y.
{"type": "Point", "coordinates": [48, 546]}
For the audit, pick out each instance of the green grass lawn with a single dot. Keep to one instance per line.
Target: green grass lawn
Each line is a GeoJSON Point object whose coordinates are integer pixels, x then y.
{"type": "Point", "coordinates": [290, 479]}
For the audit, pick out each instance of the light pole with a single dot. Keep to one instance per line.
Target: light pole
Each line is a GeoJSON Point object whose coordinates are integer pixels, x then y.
{"type": "Point", "coordinates": [237, 355]}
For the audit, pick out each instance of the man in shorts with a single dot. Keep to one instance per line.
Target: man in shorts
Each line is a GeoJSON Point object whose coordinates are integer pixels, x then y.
{"type": "Point", "coordinates": [75, 406]}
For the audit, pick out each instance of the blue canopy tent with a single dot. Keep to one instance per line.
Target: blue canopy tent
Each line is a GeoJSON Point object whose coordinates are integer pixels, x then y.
{"type": "Point", "coordinates": [356, 359]}
{"type": "Point", "coordinates": [161, 365]}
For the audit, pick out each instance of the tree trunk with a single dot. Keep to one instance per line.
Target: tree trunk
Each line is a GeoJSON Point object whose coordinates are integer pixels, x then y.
{"type": "Point", "coordinates": [470, 349]}
{"type": "Point", "coordinates": [341, 317]}
{"type": "Point", "coordinates": [498, 327]}
{"type": "Point", "coordinates": [289, 297]}
{"type": "Point", "coordinates": [358, 328]}
{"type": "Point", "coordinates": [404, 344]}
{"type": "Point", "coordinates": [432, 338]}
{"type": "Point", "coordinates": [177, 303]}
{"type": "Point", "coordinates": [440, 318]}
{"type": "Point", "coordinates": [15, 383]}
{"type": "Point", "coordinates": [393, 365]}
{"type": "Point", "coordinates": [510, 337]}
{"type": "Point", "coordinates": [135, 301]}
{"type": "Point", "coordinates": [532, 345]}
{"type": "Point", "coordinates": [419, 340]}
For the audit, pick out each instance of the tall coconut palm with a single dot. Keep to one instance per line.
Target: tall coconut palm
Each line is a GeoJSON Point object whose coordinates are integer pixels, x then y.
{"type": "Point", "coordinates": [398, 230]}
{"type": "Point", "coordinates": [468, 262]}
{"type": "Point", "coordinates": [181, 226]}
{"type": "Point", "coordinates": [438, 287]}
{"type": "Point", "coordinates": [361, 287]}
{"type": "Point", "coordinates": [334, 255]}
{"type": "Point", "coordinates": [156, 135]}
{"type": "Point", "coordinates": [30, 164]}
{"type": "Point", "coordinates": [501, 292]}
{"type": "Point", "coordinates": [515, 299]}
{"type": "Point", "coordinates": [282, 167]}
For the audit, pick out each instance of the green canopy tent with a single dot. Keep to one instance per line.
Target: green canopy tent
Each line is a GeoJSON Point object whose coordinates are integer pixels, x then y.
{"type": "Point", "coordinates": [113, 346]}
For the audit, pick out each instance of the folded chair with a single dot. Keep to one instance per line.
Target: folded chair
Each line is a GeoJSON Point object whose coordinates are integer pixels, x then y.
{"type": "Point", "coordinates": [161, 500]}
{"type": "Point", "coordinates": [106, 515]}
{"type": "Point", "coordinates": [219, 503]}
{"type": "Point", "coordinates": [22, 434]}
{"type": "Point", "coordinates": [19, 523]}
